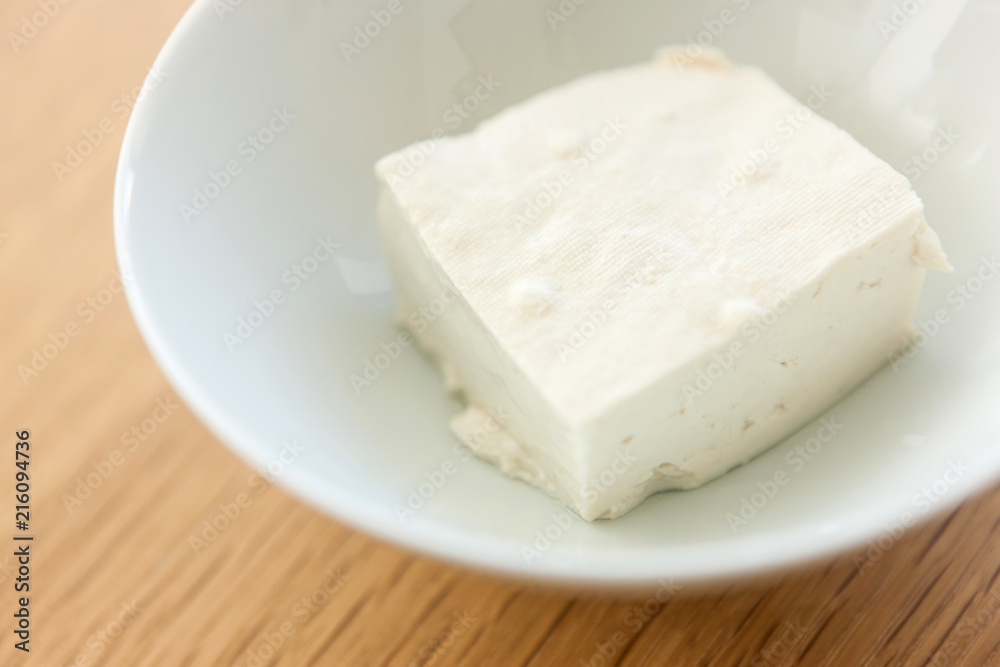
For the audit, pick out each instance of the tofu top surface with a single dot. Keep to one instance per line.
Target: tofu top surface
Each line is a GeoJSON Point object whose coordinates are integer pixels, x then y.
{"type": "Point", "coordinates": [606, 195]}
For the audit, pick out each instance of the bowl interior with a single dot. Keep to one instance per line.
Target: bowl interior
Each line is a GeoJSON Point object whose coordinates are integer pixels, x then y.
{"type": "Point", "coordinates": [245, 226]}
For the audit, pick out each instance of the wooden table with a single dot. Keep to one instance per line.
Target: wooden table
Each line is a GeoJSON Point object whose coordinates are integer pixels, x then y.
{"type": "Point", "coordinates": [122, 475]}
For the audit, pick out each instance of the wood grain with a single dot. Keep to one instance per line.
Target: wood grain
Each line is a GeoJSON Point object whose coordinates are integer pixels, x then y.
{"type": "Point", "coordinates": [115, 580]}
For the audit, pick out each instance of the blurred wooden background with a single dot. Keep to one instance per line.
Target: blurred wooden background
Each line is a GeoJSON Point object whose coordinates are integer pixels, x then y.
{"type": "Point", "coordinates": [114, 578]}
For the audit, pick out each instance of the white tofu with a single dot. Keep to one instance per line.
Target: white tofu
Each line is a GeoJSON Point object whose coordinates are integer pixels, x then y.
{"type": "Point", "coordinates": [593, 268]}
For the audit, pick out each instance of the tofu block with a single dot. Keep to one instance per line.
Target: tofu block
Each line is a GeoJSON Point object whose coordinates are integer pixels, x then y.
{"type": "Point", "coordinates": [643, 278]}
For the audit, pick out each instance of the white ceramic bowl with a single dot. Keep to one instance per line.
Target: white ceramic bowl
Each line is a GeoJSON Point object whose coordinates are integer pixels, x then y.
{"type": "Point", "coordinates": [278, 71]}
